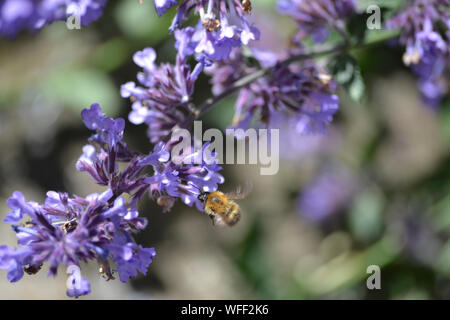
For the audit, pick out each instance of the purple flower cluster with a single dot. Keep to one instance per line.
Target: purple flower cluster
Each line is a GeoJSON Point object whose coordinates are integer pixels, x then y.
{"type": "Point", "coordinates": [162, 102]}
{"type": "Point", "coordinates": [296, 93]}
{"type": "Point", "coordinates": [32, 15]}
{"type": "Point", "coordinates": [100, 227]}
{"type": "Point", "coordinates": [69, 231]}
{"type": "Point", "coordinates": [186, 176]}
{"type": "Point", "coordinates": [425, 31]}
{"type": "Point", "coordinates": [304, 94]}
{"type": "Point", "coordinates": [223, 25]}
{"type": "Point", "coordinates": [182, 175]}
{"type": "Point", "coordinates": [301, 93]}
{"type": "Point", "coordinates": [316, 18]}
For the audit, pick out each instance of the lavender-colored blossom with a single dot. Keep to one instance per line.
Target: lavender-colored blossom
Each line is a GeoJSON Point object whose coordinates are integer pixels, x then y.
{"type": "Point", "coordinates": [302, 93]}
{"type": "Point", "coordinates": [100, 159]}
{"type": "Point", "coordinates": [425, 31]}
{"type": "Point", "coordinates": [316, 18]}
{"type": "Point", "coordinates": [224, 75]}
{"type": "Point", "coordinates": [68, 231]}
{"type": "Point", "coordinates": [13, 260]}
{"type": "Point", "coordinates": [32, 15]}
{"type": "Point", "coordinates": [185, 177]}
{"type": "Point", "coordinates": [130, 257]}
{"type": "Point", "coordinates": [77, 285]}
{"type": "Point", "coordinates": [163, 100]}
{"type": "Point", "coordinates": [163, 5]}
{"type": "Point", "coordinates": [222, 25]}
{"type": "Point", "coordinates": [99, 227]}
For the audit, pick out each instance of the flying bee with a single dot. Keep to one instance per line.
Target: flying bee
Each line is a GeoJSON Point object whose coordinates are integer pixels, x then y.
{"type": "Point", "coordinates": [221, 208]}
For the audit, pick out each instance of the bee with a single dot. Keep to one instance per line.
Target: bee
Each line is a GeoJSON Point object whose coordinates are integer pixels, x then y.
{"type": "Point", "coordinates": [221, 208]}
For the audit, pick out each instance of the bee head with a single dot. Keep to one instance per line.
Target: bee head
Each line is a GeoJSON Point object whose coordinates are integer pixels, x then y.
{"type": "Point", "coordinates": [202, 197]}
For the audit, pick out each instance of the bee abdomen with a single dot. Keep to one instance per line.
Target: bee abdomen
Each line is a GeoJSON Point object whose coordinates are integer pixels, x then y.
{"type": "Point", "coordinates": [233, 214]}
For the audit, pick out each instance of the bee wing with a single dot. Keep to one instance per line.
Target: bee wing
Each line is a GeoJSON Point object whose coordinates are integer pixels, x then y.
{"type": "Point", "coordinates": [240, 192]}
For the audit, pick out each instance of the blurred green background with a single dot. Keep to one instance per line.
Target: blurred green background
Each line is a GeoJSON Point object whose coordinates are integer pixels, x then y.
{"type": "Point", "coordinates": [388, 151]}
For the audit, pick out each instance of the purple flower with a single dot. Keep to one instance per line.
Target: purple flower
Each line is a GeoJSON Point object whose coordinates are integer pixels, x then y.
{"type": "Point", "coordinates": [12, 260]}
{"type": "Point", "coordinates": [19, 208]}
{"type": "Point", "coordinates": [212, 45]}
{"type": "Point", "coordinates": [109, 131]}
{"type": "Point", "coordinates": [301, 93]}
{"type": "Point", "coordinates": [67, 231]}
{"type": "Point", "coordinates": [183, 42]}
{"type": "Point", "coordinates": [32, 15]}
{"type": "Point", "coordinates": [425, 31]}
{"type": "Point", "coordinates": [70, 230]}
{"type": "Point", "coordinates": [163, 101]}
{"type": "Point", "coordinates": [222, 25]}
{"type": "Point", "coordinates": [163, 5]}
{"type": "Point", "coordinates": [87, 10]}
{"type": "Point", "coordinates": [315, 18]}
{"type": "Point", "coordinates": [101, 161]}
{"type": "Point", "coordinates": [130, 257]}
{"type": "Point", "coordinates": [185, 177]}
{"type": "Point", "coordinates": [167, 84]}
{"type": "Point", "coordinates": [77, 285]}
{"type": "Point", "coordinates": [224, 75]}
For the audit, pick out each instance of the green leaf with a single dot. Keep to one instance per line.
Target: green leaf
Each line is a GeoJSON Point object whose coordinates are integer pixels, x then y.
{"type": "Point", "coordinates": [357, 87]}
{"type": "Point", "coordinates": [79, 88]}
{"type": "Point", "coordinates": [347, 73]}
{"type": "Point", "coordinates": [141, 21]}
{"type": "Point", "coordinates": [267, 4]}
{"type": "Point", "coordinates": [366, 216]}
{"type": "Point", "coordinates": [111, 54]}
{"type": "Point", "coordinates": [362, 5]}
{"type": "Point", "coordinates": [445, 119]}
{"type": "Point", "coordinates": [443, 262]}
{"type": "Point", "coordinates": [380, 35]}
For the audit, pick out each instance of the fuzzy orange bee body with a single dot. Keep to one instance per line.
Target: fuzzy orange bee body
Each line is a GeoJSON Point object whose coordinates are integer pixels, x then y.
{"type": "Point", "coordinates": [221, 208]}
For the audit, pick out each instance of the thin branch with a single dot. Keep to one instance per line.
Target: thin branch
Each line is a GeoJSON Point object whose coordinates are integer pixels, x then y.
{"type": "Point", "coordinates": [246, 80]}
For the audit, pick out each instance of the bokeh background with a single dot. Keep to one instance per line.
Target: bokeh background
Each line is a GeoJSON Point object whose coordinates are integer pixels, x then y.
{"type": "Point", "coordinates": [374, 191]}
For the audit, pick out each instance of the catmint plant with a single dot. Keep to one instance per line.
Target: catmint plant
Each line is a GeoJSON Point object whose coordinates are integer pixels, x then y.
{"type": "Point", "coordinates": [33, 15]}
{"type": "Point", "coordinates": [215, 39]}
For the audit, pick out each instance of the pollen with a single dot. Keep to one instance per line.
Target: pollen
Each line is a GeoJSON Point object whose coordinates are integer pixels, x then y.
{"type": "Point", "coordinates": [324, 78]}
{"type": "Point", "coordinates": [211, 24]}
{"type": "Point", "coordinates": [411, 58]}
{"type": "Point", "coordinates": [70, 226]}
{"type": "Point", "coordinates": [247, 6]}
